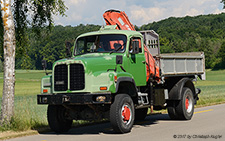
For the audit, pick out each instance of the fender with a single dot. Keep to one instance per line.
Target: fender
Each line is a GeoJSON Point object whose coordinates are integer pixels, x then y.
{"type": "Point", "coordinates": [175, 92]}
{"type": "Point", "coordinates": [129, 80]}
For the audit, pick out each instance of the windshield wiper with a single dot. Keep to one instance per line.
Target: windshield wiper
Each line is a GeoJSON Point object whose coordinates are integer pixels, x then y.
{"type": "Point", "coordinates": [117, 49]}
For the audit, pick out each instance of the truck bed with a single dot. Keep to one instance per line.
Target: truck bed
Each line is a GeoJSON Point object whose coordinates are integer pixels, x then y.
{"type": "Point", "coordinates": [192, 63]}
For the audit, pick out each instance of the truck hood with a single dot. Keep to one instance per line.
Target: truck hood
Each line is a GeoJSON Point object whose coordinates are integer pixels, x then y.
{"type": "Point", "coordinates": [93, 63]}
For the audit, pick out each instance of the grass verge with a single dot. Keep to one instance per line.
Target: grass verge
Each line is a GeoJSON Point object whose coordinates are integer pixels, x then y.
{"type": "Point", "coordinates": [213, 89]}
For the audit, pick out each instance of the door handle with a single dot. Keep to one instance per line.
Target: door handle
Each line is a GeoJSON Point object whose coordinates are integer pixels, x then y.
{"type": "Point", "coordinates": [143, 62]}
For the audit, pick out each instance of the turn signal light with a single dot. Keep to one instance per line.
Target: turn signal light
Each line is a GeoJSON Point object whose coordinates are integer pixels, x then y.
{"type": "Point", "coordinates": [45, 90]}
{"type": "Point", "coordinates": [115, 78]}
{"type": "Point", "coordinates": [103, 88]}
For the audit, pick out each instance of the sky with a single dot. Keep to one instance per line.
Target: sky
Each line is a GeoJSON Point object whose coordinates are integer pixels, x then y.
{"type": "Point", "coordinates": [139, 11]}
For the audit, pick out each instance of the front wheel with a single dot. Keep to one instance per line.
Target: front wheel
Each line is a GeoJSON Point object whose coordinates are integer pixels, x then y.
{"type": "Point", "coordinates": [183, 109]}
{"type": "Point", "coordinates": [58, 118]}
{"type": "Point", "coordinates": [122, 113]}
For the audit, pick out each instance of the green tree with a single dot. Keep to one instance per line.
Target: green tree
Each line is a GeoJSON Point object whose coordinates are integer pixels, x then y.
{"type": "Point", "coordinates": [222, 54]}
{"type": "Point", "coordinates": [223, 1]}
{"type": "Point", "coordinates": [52, 47]}
{"type": "Point", "coordinates": [188, 34]}
{"type": "Point", "coordinates": [42, 11]}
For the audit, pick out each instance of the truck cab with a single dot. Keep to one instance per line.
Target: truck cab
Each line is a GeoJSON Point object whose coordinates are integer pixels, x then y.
{"type": "Point", "coordinates": [100, 61]}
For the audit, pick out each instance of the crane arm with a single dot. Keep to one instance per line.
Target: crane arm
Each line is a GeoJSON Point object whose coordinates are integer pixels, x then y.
{"type": "Point", "coordinates": [120, 18]}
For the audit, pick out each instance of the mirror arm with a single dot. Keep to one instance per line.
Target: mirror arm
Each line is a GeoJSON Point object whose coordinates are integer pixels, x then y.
{"type": "Point", "coordinates": [44, 66]}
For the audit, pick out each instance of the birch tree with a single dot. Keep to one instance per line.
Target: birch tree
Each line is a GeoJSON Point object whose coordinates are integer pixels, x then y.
{"type": "Point", "coordinates": [34, 13]}
{"type": "Point", "coordinates": [9, 47]}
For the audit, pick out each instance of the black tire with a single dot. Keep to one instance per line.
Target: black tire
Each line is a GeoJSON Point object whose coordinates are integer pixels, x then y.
{"type": "Point", "coordinates": [183, 109]}
{"type": "Point", "coordinates": [171, 109]}
{"type": "Point", "coordinates": [122, 113]}
{"type": "Point", "coordinates": [57, 118]}
{"type": "Point", "coordinates": [140, 114]}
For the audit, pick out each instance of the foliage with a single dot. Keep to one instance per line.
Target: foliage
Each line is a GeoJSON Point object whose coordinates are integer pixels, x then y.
{"type": "Point", "coordinates": [201, 33]}
{"type": "Point", "coordinates": [221, 56]}
{"type": "Point", "coordinates": [37, 14]}
{"type": "Point", "coordinates": [188, 34]}
{"type": "Point", "coordinates": [51, 47]}
{"type": "Point", "coordinates": [223, 1]}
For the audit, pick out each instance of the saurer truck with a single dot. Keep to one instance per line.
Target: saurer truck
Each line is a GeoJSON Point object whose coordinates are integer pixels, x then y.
{"type": "Point", "coordinates": [119, 74]}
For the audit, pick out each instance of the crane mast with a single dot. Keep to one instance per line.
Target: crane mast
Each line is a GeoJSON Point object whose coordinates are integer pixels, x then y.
{"type": "Point", "coordinates": [120, 18]}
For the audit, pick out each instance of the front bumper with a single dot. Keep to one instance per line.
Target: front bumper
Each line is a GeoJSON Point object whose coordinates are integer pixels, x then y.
{"type": "Point", "coordinates": [74, 99]}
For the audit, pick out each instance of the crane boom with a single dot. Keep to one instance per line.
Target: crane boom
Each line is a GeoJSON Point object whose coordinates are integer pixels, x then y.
{"type": "Point", "coordinates": [120, 18]}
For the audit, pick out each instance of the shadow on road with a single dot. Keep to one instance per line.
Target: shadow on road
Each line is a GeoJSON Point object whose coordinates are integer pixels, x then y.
{"type": "Point", "coordinates": [105, 128]}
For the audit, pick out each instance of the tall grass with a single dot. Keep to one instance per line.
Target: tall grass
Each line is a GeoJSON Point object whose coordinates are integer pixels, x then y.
{"type": "Point", "coordinates": [29, 115]}
{"type": "Point", "coordinates": [213, 89]}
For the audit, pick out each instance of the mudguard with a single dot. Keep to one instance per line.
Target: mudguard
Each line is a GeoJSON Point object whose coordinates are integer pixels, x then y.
{"type": "Point", "coordinates": [130, 82]}
{"type": "Point", "coordinates": [175, 92]}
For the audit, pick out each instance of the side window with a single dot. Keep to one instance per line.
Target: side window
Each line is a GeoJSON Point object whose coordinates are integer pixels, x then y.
{"type": "Point", "coordinates": [80, 47]}
{"type": "Point", "coordinates": [135, 45]}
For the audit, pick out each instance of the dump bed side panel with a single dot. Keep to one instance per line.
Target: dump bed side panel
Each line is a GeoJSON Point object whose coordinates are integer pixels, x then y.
{"type": "Point", "coordinates": [183, 64]}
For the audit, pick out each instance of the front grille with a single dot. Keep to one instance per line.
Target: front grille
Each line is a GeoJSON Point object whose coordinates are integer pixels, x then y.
{"type": "Point", "coordinates": [61, 78]}
{"type": "Point", "coordinates": [77, 80]}
{"type": "Point", "coordinates": [77, 77]}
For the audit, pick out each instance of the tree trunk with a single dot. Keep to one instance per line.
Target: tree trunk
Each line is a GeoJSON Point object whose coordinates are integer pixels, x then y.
{"type": "Point", "coordinates": [9, 62]}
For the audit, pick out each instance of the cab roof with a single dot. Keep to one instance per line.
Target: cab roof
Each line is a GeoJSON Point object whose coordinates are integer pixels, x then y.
{"type": "Point", "coordinates": [111, 30]}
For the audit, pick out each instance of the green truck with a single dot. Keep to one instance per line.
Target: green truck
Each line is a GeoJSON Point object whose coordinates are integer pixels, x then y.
{"type": "Point", "coordinates": [105, 78]}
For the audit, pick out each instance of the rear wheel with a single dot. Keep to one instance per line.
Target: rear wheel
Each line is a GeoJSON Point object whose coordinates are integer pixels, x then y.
{"type": "Point", "coordinates": [58, 118]}
{"type": "Point", "coordinates": [184, 108]}
{"type": "Point", "coordinates": [171, 108]}
{"type": "Point", "coordinates": [122, 113]}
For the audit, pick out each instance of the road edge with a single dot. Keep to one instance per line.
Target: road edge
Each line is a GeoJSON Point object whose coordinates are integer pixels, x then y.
{"type": "Point", "coordinates": [13, 134]}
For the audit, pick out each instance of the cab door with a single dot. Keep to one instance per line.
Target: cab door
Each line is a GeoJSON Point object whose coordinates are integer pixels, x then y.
{"type": "Point", "coordinates": [136, 61]}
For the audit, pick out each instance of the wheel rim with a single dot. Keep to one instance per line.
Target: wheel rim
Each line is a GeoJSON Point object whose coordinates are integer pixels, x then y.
{"type": "Point", "coordinates": [188, 104]}
{"type": "Point", "coordinates": [126, 114]}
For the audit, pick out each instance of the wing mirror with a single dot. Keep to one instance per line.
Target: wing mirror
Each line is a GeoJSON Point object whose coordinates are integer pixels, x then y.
{"type": "Point", "coordinates": [44, 66]}
{"type": "Point", "coordinates": [134, 46]}
{"type": "Point", "coordinates": [68, 49]}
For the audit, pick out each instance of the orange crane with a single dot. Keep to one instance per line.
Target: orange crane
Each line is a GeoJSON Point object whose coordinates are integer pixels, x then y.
{"type": "Point", "coordinates": [120, 18]}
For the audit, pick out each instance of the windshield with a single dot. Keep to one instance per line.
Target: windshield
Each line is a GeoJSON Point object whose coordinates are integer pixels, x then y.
{"type": "Point", "coordinates": [101, 43]}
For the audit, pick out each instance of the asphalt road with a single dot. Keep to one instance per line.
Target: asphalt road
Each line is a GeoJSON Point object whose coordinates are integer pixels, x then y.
{"type": "Point", "coordinates": [208, 123]}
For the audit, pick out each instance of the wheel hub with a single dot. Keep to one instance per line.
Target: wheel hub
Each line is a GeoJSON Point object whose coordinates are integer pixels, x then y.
{"type": "Point", "coordinates": [126, 113]}
{"type": "Point", "coordinates": [187, 103]}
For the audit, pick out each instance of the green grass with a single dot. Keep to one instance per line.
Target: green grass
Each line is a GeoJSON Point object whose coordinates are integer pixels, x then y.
{"type": "Point", "coordinates": [27, 82]}
{"type": "Point", "coordinates": [213, 89]}
{"type": "Point", "coordinates": [29, 115]}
